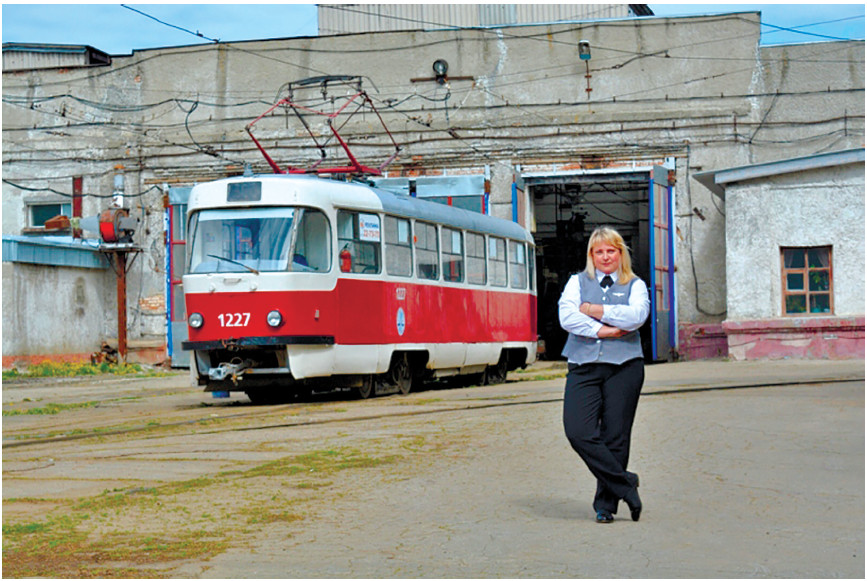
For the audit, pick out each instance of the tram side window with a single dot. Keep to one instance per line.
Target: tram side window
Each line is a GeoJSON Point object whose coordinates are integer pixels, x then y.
{"type": "Point", "coordinates": [398, 248]}
{"type": "Point", "coordinates": [518, 264]}
{"type": "Point", "coordinates": [476, 271]}
{"type": "Point", "coordinates": [313, 243]}
{"type": "Point", "coordinates": [358, 240]}
{"type": "Point", "coordinates": [531, 263]}
{"type": "Point", "coordinates": [426, 251]}
{"type": "Point", "coordinates": [497, 253]}
{"type": "Point", "coordinates": [453, 255]}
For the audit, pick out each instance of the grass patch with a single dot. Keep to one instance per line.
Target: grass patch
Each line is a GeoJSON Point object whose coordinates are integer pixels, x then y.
{"type": "Point", "coordinates": [70, 369]}
{"type": "Point", "coordinates": [545, 377]}
{"type": "Point", "coordinates": [51, 409]}
{"type": "Point", "coordinates": [422, 401]}
{"type": "Point", "coordinates": [60, 549]}
{"type": "Point", "coordinates": [145, 530]}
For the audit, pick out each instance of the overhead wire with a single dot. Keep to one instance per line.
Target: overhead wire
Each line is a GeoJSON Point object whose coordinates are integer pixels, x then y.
{"type": "Point", "coordinates": [68, 195]}
{"type": "Point", "coordinates": [382, 49]}
{"type": "Point", "coordinates": [392, 103]}
{"type": "Point", "coordinates": [197, 34]}
{"type": "Point", "coordinates": [260, 53]}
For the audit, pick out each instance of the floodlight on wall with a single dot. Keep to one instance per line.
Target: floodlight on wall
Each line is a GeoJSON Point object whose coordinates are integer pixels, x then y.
{"type": "Point", "coordinates": [440, 68]}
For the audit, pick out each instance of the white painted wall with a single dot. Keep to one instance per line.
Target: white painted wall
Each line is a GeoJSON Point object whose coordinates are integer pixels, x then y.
{"type": "Point", "coordinates": [808, 208]}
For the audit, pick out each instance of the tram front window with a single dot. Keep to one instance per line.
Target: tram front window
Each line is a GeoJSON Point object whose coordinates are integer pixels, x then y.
{"type": "Point", "coordinates": [241, 240]}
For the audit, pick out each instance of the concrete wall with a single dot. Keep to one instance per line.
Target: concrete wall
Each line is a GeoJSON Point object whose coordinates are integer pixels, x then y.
{"type": "Point", "coordinates": [55, 311]}
{"type": "Point", "coordinates": [658, 89]}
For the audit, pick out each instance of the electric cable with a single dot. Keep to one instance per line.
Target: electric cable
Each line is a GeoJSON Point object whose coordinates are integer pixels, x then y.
{"type": "Point", "coordinates": [83, 195]}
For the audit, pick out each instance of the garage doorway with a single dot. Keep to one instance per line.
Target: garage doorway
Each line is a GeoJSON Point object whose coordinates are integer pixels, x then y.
{"type": "Point", "coordinates": [568, 206]}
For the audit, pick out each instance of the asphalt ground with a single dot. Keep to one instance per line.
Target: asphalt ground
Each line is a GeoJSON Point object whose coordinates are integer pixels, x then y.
{"type": "Point", "coordinates": [748, 469]}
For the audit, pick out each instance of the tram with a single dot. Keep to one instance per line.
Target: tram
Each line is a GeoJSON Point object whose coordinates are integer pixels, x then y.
{"type": "Point", "coordinates": [296, 282]}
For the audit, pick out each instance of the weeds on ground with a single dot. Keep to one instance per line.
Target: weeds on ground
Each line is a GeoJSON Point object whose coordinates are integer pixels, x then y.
{"type": "Point", "coordinates": [50, 409]}
{"type": "Point", "coordinates": [145, 531]}
{"type": "Point", "coordinates": [71, 369]}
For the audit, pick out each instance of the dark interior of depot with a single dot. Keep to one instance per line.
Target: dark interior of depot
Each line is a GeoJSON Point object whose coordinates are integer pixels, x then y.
{"type": "Point", "coordinates": [567, 210]}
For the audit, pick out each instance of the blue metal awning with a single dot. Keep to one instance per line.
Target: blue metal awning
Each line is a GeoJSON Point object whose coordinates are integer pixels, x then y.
{"type": "Point", "coordinates": [53, 251]}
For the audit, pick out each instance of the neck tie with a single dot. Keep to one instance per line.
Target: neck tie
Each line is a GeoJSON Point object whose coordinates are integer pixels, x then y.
{"type": "Point", "coordinates": [606, 281]}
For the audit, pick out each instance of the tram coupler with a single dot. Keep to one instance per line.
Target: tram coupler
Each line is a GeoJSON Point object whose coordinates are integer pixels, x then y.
{"type": "Point", "coordinates": [229, 370]}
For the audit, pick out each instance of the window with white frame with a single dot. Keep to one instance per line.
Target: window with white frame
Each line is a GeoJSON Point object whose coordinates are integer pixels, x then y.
{"type": "Point", "coordinates": [40, 213]}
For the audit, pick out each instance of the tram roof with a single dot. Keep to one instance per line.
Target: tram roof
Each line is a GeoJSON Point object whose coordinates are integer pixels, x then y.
{"type": "Point", "coordinates": [458, 217]}
{"type": "Point", "coordinates": [341, 195]}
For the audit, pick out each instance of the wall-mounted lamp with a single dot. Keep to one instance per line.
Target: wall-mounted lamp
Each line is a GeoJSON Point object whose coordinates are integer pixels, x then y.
{"type": "Point", "coordinates": [584, 55]}
{"type": "Point", "coordinates": [440, 68]}
{"type": "Point", "coordinates": [441, 74]}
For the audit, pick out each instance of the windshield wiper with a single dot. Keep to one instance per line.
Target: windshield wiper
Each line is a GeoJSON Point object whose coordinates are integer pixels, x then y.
{"type": "Point", "coordinates": [241, 264]}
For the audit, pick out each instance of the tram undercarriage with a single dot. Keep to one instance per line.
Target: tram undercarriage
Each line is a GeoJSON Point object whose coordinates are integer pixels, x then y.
{"type": "Point", "coordinates": [265, 374]}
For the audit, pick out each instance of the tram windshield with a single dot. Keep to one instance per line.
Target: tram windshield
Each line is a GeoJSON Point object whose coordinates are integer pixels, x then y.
{"type": "Point", "coordinates": [241, 240]}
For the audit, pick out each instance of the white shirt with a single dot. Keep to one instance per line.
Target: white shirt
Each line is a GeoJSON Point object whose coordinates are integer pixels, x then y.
{"type": "Point", "coordinates": [627, 317]}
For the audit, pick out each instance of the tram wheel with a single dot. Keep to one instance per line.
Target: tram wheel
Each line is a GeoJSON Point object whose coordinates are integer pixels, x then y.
{"type": "Point", "coordinates": [401, 374]}
{"type": "Point", "coordinates": [365, 390]}
{"type": "Point", "coordinates": [495, 374]}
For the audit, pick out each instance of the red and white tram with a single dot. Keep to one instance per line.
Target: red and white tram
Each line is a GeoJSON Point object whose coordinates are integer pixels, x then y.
{"type": "Point", "coordinates": [295, 281]}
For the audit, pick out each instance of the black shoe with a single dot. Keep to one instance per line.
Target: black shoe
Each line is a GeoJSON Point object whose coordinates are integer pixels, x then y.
{"type": "Point", "coordinates": [604, 517]}
{"type": "Point", "coordinates": [633, 501]}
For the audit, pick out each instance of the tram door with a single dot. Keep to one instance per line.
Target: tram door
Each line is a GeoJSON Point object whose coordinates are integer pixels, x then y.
{"type": "Point", "coordinates": [662, 306]}
{"type": "Point", "coordinates": [176, 253]}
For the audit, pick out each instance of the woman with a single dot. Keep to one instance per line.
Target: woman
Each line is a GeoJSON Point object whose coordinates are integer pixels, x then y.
{"type": "Point", "coordinates": [602, 309]}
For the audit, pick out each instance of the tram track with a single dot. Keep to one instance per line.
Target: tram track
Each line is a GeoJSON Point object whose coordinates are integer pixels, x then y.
{"type": "Point", "coordinates": [248, 415]}
{"type": "Point", "coordinates": [307, 422]}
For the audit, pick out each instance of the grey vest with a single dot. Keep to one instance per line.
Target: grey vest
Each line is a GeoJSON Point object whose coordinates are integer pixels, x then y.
{"type": "Point", "coordinates": [615, 350]}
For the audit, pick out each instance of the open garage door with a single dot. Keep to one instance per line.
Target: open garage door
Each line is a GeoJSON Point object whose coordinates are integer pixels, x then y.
{"type": "Point", "coordinates": [568, 206]}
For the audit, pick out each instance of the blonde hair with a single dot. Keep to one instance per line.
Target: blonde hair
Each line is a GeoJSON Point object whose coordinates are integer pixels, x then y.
{"type": "Point", "coordinates": [608, 235]}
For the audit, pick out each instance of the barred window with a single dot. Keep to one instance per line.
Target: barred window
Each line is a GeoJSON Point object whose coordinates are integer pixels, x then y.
{"type": "Point", "coordinates": [807, 281]}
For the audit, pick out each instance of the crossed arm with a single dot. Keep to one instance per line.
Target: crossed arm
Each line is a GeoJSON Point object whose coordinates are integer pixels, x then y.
{"type": "Point", "coordinates": [596, 312]}
{"type": "Point", "coordinates": [602, 321]}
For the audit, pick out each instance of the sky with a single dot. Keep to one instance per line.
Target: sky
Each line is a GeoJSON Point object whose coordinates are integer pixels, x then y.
{"type": "Point", "coordinates": [119, 29]}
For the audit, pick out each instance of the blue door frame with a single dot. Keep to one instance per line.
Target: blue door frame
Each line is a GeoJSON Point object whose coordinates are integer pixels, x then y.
{"type": "Point", "coordinates": [662, 295]}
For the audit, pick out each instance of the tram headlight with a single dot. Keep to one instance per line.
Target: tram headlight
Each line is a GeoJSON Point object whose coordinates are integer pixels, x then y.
{"type": "Point", "coordinates": [196, 321]}
{"type": "Point", "coordinates": [275, 319]}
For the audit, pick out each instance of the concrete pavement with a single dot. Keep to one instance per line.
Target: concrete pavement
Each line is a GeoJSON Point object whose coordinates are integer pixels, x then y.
{"type": "Point", "coordinates": [764, 481]}
{"type": "Point", "coordinates": [748, 469]}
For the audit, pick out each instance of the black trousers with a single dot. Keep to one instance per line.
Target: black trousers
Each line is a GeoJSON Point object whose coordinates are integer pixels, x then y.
{"type": "Point", "coordinates": [598, 411]}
